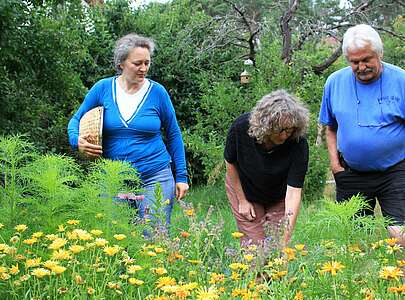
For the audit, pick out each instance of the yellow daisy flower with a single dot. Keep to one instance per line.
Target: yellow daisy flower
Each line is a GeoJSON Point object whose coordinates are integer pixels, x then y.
{"type": "Point", "coordinates": [96, 232]}
{"type": "Point", "coordinates": [32, 262]}
{"type": "Point", "coordinates": [61, 255]}
{"type": "Point", "coordinates": [40, 272]}
{"type": "Point", "coordinates": [248, 257]}
{"type": "Point", "coordinates": [83, 235]}
{"type": "Point", "coordinates": [151, 253]}
{"type": "Point", "coordinates": [99, 216]}
{"type": "Point", "coordinates": [14, 270]}
{"type": "Point", "coordinates": [216, 278]}
{"type": "Point", "coordinates": [49, 264]}
{"type": "Point", "coordinates": [391, 241]}
{"type": "Point", "coordinates": [165, 281]}
{"type": "Point", "coordinates": [238, 266]}
{"type": "Point", "coordinates": [73, 222]}
{"type": "Point", "coordinates": [331, 267]}
{"type": "Point", "coordinates": [76, 249]}
{"type": "Point", "coordinates": [51, 237]}
{"type": "Point", "coordinates": [120, 237]}
{"type": "Point", "coordinates": [189, 212]}
{"type": "Point", "coordinates": [134, 281]}
{"type": "Point", "coordinates": [237, 234]}
{"type": "Point", "coordinates": [30, 242]}
{"type": "Point", "coordinates": [37, 234]}
{"type": "Point", "coordinates": [21, 227]}
{"type": "Point", "coordinates": [100, 242]}
{"type": "Point", "coordinates": [133, 268]}
{"type": "Point", "coordinates": [159, 271]}
{"type": "Point", "coordinates": [57, 243]}
{"type": "Point", "coordinates": [205, 293]}
{"type": "Point", "coordinates": [111, 251]}
{"type": "Point", "coordinates": [58, 269]}
{"type": "Point", "coordinates": [391, 272]}
{"type": "Point", "coordinates": [159, 250]}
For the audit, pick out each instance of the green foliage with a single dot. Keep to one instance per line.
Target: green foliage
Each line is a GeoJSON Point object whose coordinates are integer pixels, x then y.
{"type": "Point", "coordinates": [15, 152]}
{"type": "Point", "coordinates": [336, 221]}
{"type": "Point", "coordinates": [332, 256]}
{"type": "Point", "coordinates": [53, 51]}
{"type": "Point", "coordinates": [112, 176]}
{"type": "Point", "coordinates": [315, 179]}
{"type": "Point", "coordinates": [51, 188]}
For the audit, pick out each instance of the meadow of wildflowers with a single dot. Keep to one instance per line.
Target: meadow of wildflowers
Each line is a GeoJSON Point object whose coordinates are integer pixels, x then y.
{"type": "Point", "coordinates": [64, 238]}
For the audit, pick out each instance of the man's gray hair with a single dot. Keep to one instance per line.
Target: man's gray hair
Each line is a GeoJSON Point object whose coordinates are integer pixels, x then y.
{"type": "Point", "coordinates": [361, 36]}
{"type": "Point", "coordinates": [275, 112]}
{"type": "Point", "coordinates": [125, 45]}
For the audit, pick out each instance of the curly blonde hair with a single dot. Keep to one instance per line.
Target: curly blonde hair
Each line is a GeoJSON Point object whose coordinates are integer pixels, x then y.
{"type": "Point", "coordinates": [276, 111]}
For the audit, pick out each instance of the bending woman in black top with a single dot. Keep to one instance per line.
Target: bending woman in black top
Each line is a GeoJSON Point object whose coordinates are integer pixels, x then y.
{"type": "Point", "coordinates": [266, 157]}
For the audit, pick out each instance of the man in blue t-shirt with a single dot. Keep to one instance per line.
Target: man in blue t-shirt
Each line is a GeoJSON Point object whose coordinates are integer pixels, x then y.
{"type": "Point", "coordinates": [363, 108]}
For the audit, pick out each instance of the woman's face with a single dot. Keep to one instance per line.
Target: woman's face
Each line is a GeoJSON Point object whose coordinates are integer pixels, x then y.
{"type": "Point", "coordinates": [280, 136]}
{"type": "Point", "coordinates": [136, 66]}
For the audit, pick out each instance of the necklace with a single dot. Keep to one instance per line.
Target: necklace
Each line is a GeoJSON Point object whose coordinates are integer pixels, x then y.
{"type": "Point", "coordinates": [358, 100]}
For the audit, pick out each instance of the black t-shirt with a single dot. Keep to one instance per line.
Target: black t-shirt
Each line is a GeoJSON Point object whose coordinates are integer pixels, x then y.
{"type": "Point", "coordinates": [264, 174]}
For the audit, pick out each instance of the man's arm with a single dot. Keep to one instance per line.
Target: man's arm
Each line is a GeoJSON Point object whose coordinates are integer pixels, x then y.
{"type": "Point", "coordinates": [331, 143]}
{"type": "Point", "coordinates": [245, 207]}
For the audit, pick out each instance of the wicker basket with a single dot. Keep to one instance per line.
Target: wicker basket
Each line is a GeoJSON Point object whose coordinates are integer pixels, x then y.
{"type": "Point", "coordinates": [92, 123]}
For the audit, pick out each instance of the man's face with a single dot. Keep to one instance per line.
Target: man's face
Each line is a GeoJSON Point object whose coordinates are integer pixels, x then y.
{"type": "Point", "coordinates": [365, 64]}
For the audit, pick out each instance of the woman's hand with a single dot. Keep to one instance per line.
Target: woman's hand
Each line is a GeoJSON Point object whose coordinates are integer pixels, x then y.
{"type": "Point", "coordinates": [181, 190]}
{"type": "Point", "coordinates": [87, 148]}
{"type": "Point", "coordinates": [247, 210]}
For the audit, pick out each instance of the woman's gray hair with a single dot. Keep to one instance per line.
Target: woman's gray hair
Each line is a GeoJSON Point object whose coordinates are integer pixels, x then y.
{"type": "Point", "coordinates": [128, 42]}
{"type": "Point", "coordinates": [275, 112]}
{"type": "Point", "coordinates": [360, 36]}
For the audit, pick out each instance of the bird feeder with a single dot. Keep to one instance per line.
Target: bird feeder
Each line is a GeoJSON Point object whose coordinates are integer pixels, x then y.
{"type": "Point", "coordinates": [244, 77]}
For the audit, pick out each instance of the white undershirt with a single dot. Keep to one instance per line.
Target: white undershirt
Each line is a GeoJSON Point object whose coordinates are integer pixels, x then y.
{"type": "Point", "coordinates": [128, 103]}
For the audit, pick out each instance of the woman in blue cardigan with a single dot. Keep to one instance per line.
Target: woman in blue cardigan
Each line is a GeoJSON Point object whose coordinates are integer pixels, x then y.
{"type": "Point", "coordinates": [135, 110]}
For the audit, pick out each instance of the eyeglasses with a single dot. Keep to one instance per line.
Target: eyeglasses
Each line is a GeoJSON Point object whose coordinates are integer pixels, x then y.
{"type": "Point", "coordinates": [288, 131]}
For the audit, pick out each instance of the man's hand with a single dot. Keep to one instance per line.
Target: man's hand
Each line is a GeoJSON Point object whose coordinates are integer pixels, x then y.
{"type": "Point", "coordinates": [181, 190]}
{"type": "Point", "coordinates": [87, 148]}
{"type": "Point", "coordinates": [247, 210]}
{"type": "Point", "coordinates": [336, 168]}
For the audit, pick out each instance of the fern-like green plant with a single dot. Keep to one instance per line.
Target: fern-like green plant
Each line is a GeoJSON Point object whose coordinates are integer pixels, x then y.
{"type": "Point", "coordinates": [50, 179]}
{"type": "Point", "coordinates": [113, 177]}
{"type": "Point", "coordinates": [106, 179]}
{"type": "Point", "coordinates": [341, 221]}
{"type": "Point", "coordinates": [15, 152]}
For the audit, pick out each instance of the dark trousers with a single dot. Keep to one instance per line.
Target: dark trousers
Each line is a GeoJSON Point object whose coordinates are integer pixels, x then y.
{"type": "Point", "coordinates": [388, 187]}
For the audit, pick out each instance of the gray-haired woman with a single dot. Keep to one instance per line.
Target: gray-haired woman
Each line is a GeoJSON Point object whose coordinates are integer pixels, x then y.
{"type": "Point", "coordinates": [266, 157]}
{"type": "Point", "coordinates": [135, 110]}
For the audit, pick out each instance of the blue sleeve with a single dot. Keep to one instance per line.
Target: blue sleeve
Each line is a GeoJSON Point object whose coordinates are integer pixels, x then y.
{"type": "Point", "coordinates": [174, 138]}
{"type": "Point", "coordinates": [92, 99]}
{"type": "Point", "coordinates": [326, 116]}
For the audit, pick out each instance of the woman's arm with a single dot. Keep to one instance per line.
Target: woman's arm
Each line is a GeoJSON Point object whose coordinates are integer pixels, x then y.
{"type": "Point", "coordinates": [292, 208]}
{"type": "Point", "coordinates": [245, 207]}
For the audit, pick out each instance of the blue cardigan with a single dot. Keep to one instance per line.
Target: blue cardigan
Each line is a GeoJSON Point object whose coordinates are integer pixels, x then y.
{"type": "Point", "coordinates": [138, 140]}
